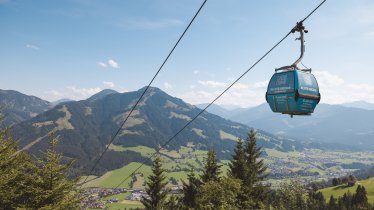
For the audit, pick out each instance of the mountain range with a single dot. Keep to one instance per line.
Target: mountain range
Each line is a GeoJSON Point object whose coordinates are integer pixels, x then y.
{"type": "Point", "coordinates": [17, 107]}
{"type": "Point", "coordinates": [86, 127]}
{"type": "Point", "coordinates": [336, 124]}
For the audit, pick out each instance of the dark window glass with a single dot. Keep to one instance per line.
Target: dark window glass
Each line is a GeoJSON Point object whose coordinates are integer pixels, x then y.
{"type": "Point", "coordinates": [281, 83]}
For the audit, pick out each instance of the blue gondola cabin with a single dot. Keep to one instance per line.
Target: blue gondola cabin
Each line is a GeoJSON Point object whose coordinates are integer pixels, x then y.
{"type": "Point", "coordinates": [293, 92]}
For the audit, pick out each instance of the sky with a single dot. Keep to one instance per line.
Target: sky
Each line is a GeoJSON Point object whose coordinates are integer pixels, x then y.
{"type": "Point", "coordinates": [76, 48]}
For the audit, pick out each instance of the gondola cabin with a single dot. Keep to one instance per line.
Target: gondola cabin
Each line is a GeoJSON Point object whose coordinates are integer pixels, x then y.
{"type": "Point", "coordinates": [293, 92]}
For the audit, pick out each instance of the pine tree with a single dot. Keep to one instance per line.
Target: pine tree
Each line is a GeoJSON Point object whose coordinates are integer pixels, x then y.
{"type": "Point", "coordinates": [360, 199]}
{"type": "Point", "coordinates": [16, 174]}
{"type": "Point", "coordinates": [332, 203]}
{"type": "Point", "coordinates": [237, 166]}
{"type": "Point", "coordinates": [173, 203]}
{"type": "Point", "coordinates": [211, 169]}
{"type": "Point", "coordinates": [252, 187]}
{"type": "Point", "coordinates": [256, 167]}
{"type": "Point", "coordinates": [155, 187]}
{"type": "Point", "coordinates": [190, 190]}
{"type": "Point", "coordinates": [316, 201]}
{"type": "Point", "coordinates": [53, 189]}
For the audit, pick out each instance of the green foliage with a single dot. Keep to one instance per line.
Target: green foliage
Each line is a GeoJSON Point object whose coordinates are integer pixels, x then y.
{"type": "Point", "coordinates": [219, 194]}
{"type": "Point", "coordinates": [211, 170]}
{"type": "Point", "coordinates": [173, 203]}
{"type": "Point", "coordinates": [155, 187]}
{"type": "Point", "coordinates": [25, 183]}
{"type": "Point", "coordinates": [190, 190]}
{"type": "Point", "coordinates": [237, 166]}
{"type": "Point", "coordinates": [359, 199]}
{"type": "Point", "coordinates": [52, 189]}
{"type": "Point", "coordinates": [316, 201]}
{"type": "Point", "coordinates": [336, 181]}
{"type": "Point", "coordinates": [17, 174]}
{"type": "Point", "coordinates": [291, 196]}
{"type": "Point", "coordinates": [332, 203]}
{"type": "Point", "coordinates": [247, 166]}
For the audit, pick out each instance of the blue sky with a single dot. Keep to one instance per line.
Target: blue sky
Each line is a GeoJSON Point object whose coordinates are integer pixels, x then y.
{"type": "Point", "coordinates": [75, 48]}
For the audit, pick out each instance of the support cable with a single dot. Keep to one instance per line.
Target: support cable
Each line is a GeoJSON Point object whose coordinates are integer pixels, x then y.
{"type": "Point", "coordinates": [142, 95]}
{"type": "Point", "coordinates": [203, 110]}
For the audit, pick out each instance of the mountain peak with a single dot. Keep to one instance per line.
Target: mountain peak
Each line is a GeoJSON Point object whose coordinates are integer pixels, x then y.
{"type": "Point", "coordinates": [102, 94]}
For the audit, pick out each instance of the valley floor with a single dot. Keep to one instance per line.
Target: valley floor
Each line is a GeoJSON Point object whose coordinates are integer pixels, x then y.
{"type": "Point", "coordinates": [306, 166]}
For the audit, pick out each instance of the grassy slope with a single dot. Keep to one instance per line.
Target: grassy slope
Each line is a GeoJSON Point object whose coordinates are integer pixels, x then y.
{"type": "Point", "coordinates": [338, 191]}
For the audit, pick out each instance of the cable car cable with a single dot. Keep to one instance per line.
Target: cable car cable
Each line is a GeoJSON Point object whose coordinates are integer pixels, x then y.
{"type": "Point", "coordinates": [145, 90]}
{"type": "Point", "coordinates": [233, 83]}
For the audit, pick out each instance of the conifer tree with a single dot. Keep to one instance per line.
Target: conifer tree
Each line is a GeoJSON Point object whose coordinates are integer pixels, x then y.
{"type": "Point", "coordinates": [155, 187]}
{"type": "Point", "coordinates": [237, 166]}
{"type": "Point", "coordinates": [16, 174]}
{"type": "Point", "coordinates": [252, 188]}
{"type": "Point", "coordinates": [53, 189]}
{"type": "Point", "coordinates": [211, 169]}
{"type": "Point", "coordinates": [332, 203]}
{"type": "Point", "coordinates": [316, 201]}
{"type": "Point", "coordinates": [360, 199]}
{"type": "Point", "coordinates": [190, 190]}
{"type": "Point", "coordinates": [256, 167]}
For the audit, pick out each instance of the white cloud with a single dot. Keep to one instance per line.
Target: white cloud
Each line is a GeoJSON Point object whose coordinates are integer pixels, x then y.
{"type": "Point", "coordinates": [147, 24]}
{"type": "Point", "coordinates": [81, 93]}
{"type": "Point", "coordinates": [244, 95]}
{"type": "Point", "coordinates": [240, 86]}
{"type": "Point", "coordinates": [212, 84]}
{"type": "Point", "coordinates": [112, 63]}
{"type": "Point", "coordinates": [102, 64]}
{"type": "Point", "coordinates": [195, 72]}
{"type": "Point", "coordinates": [108, 84]}
{"type": "Point", "coordinates": [34, 47]}
{"type": "Point", "coordinates": [261, 84]}
{"type": "Point", "coordinates": [327, 79]}
{"type": "Point", "coordinates": [71, 92]}
{"type": "Point", "coordinates": [335, 90]}
{"type": "Point", "coordinates": [167, 85]}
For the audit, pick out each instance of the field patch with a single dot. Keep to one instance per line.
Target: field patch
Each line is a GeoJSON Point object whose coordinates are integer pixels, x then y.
{"type": "Point", "coordinates": [338, 191]}
{"type": "Point", "coordinates": [223, 135]}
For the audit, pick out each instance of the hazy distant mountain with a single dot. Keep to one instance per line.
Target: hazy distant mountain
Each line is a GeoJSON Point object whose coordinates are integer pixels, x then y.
{"type": "Point", "coordinates": [61, 101]}
{"type": "Point", "coordinates": [221, 110]}
{"type": "Point", "coordinates": [329, 123]}
{"type": "Point", "coordinates": [85, 128]}
{"type": "Point", "coordinates": [17, 107]}
{"type": "Point", "coordinates": [360, 104]}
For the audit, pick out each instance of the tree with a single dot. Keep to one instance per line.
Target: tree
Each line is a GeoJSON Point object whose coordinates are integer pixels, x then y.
{"type": "Point", "coordinates": [252, 189]}
{"type": "Point", "coordinates": [53, 189]}
{"type": "Point", "coordinates": [336, 181]}
{"type": "Point", "coordinates": [347, 200]}
{"type": "Point", "coordinates": [211, 169]}
{"type": "Point", "coordinates": [155, 187]}
{"type": "Point", "coordinates": [237, 166]}
{"type": "Point", "coordinates": [172, 203]}
{"type": "Point", "coordinates": [291, 196]}
{"type": "Point", "coordinates": [17, 174]}
{"type": "Point", "coordinates": [332, 203]}
{"type": "Point", "coordinates": [219, 194]}
{"type": "Point", "coordinates": [360, 199]}
{"type": "Point", "coordinates": [190, 190]}
{"type": "Point", "coordinates": [316, 200]}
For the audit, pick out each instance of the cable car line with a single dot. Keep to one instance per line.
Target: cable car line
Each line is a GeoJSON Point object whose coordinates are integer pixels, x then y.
{"type": "Point", "coordinates": [145, 90]}
{"type": "Point", "coordinates": [232, 84]}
